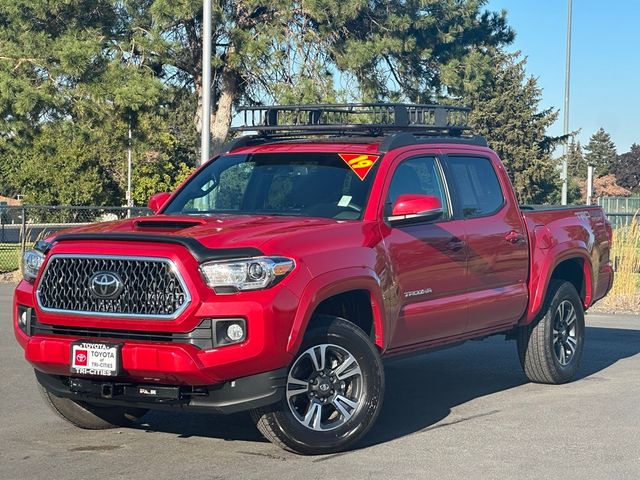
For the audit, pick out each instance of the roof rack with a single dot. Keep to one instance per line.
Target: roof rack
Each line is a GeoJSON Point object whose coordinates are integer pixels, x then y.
{"type": "Point", "coordinates": [371, 119]}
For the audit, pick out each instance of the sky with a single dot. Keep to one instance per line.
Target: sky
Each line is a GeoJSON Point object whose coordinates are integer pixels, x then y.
{"type": "Point", "coordinates": [605, 61]}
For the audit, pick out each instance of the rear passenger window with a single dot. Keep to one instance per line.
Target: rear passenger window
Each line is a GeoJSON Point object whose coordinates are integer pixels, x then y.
{"type": "Point", "coordinates": [477, 185]}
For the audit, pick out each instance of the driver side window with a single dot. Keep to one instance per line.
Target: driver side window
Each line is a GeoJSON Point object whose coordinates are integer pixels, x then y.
{"type": "Point", "coordinates": [418, 175]}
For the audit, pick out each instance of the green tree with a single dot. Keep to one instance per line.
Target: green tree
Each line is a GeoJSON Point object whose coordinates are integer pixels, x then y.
{"type": "Point", "coordinates": [506, 110]}
{"type": "Point", "coordinates": [63, 166]}
{"type": "Point", "coordinates": [68, 73]}
{"type": "Point", "coordinates": [283, 51]}
{"type": "Point", "coordinates": [600, 152]}
{"type": "Point", "coordinates": [415, 50]}
{"type": "Point", "coordinates": [163, 157]}
{"type": "Point", "coordinates": [576, 163]}
{"type": "Point", "coordinates": [92, 66]}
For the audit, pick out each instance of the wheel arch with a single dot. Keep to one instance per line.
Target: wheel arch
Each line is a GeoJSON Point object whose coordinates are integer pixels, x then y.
{"type": "Point", "coordinates": [342, 293]}
{"type": "Point", "coordinates": [574, 268]}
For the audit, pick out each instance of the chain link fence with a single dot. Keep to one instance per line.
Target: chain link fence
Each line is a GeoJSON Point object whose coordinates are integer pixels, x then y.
{"type": "Point", "coordinates": [22, 226]}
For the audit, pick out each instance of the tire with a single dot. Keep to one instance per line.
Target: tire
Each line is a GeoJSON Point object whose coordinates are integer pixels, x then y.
{"type": "Point", "coordinates": [88, 416]}
{"type": "Point", "coordinates": [550, 347]}
{"type": "Point", "coordinates": [325, 410]}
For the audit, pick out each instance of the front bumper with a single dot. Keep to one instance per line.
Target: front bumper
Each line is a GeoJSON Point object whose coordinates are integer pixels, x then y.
{"type": "Point", "coordinates": [167, 351]}
{"type": "Point", "coordinates": [229, 397]}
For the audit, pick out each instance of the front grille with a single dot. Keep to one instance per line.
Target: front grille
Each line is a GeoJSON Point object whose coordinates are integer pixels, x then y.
{"type": "Point", "coordinates": [151, 287]}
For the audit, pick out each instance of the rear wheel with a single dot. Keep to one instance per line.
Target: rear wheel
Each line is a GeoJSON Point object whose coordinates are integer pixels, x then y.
{"type": "Point", "coordinates": [334, 391]}
{"type": "Point", "coordinates": [88, 416]}
{"type": "Point", "coordinates": [550, 348]}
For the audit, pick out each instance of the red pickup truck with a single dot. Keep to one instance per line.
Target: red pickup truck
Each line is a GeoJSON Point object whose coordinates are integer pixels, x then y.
{"type": "Point", "coordinates": [277, 277]}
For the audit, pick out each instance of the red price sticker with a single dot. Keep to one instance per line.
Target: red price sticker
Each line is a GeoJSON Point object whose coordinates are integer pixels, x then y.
{"type": "Point", "coordinates": [359, 163]}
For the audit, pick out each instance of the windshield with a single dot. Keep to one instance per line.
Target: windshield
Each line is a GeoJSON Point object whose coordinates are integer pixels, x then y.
{"type": "Point", "coordinates": [298, 184]}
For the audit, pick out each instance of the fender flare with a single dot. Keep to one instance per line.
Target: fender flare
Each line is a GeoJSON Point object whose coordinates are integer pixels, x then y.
{"type": "Point", "coordinates": [333, 283]}
{"type": "Point", "coordinates": [561, 253]}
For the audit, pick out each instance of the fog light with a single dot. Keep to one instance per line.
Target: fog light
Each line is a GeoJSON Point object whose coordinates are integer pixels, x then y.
{"type": "Point", "coordinates": [25, 315]}
{"type": "Point", "coordinates": [235, 332]}
{"type": "Point", "coordinates": [230, 331]}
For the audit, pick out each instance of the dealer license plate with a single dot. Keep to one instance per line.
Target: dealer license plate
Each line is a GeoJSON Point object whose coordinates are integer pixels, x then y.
{"type": "Point", "coordinates": [92, 358]}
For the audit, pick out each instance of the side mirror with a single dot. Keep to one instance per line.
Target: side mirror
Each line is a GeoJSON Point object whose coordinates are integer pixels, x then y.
{"type": "Point", "coordinates": [157, 201]}
{"type": "Point", "coordinates": [415, 208]}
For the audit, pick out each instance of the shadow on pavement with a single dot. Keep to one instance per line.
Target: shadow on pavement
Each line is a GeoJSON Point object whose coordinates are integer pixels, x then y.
{"type": "Point", "coordinates": [422, 390]}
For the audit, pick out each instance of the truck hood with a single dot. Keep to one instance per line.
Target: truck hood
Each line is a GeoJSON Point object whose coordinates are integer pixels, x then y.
{"type": "Point", "coordinates": [220, 231]}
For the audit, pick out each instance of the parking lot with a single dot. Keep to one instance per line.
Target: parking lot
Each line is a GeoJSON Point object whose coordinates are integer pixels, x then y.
{"type": "Point", "coordinates": [466, 412]}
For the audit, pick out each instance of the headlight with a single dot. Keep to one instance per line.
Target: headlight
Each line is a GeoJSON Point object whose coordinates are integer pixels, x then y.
{"type": "Point", "coordinates": [245, 274]}
{"type": "Point", "coordinates": [32, 260]}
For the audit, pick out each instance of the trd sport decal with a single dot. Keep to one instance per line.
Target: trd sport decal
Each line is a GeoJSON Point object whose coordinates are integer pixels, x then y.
{"type": "Point", "coordinates": [359, 163]}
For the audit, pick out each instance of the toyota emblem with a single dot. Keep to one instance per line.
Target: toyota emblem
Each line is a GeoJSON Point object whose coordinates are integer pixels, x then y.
{"type": "Point", "coordinates": [105, 285]}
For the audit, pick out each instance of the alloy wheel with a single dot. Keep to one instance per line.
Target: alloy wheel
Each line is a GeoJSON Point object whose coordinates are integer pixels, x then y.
{"type": "Point", "coordinates": [324, 387]}
{"type": "Point", "coordinates": [565, 338]}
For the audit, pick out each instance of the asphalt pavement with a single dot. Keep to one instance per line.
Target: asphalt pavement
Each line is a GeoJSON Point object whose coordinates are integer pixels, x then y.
{"type": "Point", "coordinates": [462, 413]}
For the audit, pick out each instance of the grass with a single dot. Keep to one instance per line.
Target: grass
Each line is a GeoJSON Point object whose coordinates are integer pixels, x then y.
{"type": "Point", "coordinates": [9, 257]}
{"type": "Point", "coordinates": [625, 293]}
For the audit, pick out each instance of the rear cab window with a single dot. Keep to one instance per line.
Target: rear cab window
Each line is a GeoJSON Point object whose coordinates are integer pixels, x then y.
{"type": "Point", "coordinates": [477, 185]}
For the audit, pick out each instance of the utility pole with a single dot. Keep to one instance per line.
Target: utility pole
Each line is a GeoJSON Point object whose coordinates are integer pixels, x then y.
{"type": "Point", "coordinates": [589, 184]}
{"type": "Point", "coordinates": [567, 82]}
{"type": "Point", "coordinates": [206, 81]}
{"type": "Point", "coordinates": [129, 166]}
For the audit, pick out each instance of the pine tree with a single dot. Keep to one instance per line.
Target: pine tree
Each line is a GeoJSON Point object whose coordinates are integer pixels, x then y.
{"type": "Point", "coordinates": [506, 111]}
{"type": "Point", "coordinates": [601, 152]}
{"type": "Point", "coordinates": [576, 163]}
{"type": "Point", "coordinates": [68, 75]}
{"type": "Point", "coordinates": [83, 69]}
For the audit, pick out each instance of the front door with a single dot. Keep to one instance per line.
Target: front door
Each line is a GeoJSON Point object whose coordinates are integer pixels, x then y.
{"type": "Point", "coordinates": [429, 259]}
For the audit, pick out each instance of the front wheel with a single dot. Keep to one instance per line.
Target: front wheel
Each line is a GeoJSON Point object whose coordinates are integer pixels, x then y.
{"type": "Point", "coordinates": [334, 391]}
{"type": "Point", "coordinates": [550, 348]}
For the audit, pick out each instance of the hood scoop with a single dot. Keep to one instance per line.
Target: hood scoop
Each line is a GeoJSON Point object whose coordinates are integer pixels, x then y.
{"type": "Point", "coordinates": [166, 225]}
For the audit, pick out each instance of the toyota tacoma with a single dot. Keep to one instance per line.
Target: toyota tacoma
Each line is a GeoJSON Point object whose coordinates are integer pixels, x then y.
{"type": "Point", "coordinates": [278, 276]}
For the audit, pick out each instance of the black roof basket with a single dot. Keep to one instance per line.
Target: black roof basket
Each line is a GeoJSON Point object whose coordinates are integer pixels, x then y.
{"type": "Point", "coordinates": [370, 119]}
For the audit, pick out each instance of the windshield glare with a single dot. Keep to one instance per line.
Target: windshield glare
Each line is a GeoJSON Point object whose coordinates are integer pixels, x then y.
{"type": "Point", "coordinates": [298, 184]}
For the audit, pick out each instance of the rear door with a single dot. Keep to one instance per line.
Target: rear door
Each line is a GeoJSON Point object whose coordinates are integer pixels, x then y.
{"type": "Point", "coordinates": [498, 252]}
{"type": "Point", "coordinates": [428, 258]}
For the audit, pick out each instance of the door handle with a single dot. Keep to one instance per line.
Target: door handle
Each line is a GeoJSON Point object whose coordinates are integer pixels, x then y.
{"type": "Point", "coordinates": [455, 244]}
{"type": "Point", "coordinates": [514, 237]}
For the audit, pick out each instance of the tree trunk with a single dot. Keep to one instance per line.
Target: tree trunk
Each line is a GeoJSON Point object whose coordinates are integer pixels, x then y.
{"type": "Point", "coordinates": [222, 108]}
{"type": "Point", "coordinates": [221, 119]}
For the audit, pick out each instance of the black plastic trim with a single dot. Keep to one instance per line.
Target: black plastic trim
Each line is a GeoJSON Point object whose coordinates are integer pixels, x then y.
{"type": "Point", "coordinates": [198, 250]}
{"type": "Point", "coordinates": [233, 396]}
{"type": "Point", "coordinates": [200, 337]}
{"type": "Point", "coordinates": [388, 143]}
{"type": "Point", "coordinates": [406, 139]}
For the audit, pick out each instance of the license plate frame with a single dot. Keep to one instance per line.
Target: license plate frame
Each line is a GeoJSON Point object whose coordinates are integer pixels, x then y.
{"type": "Point", "coordinates": [96, 359]}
